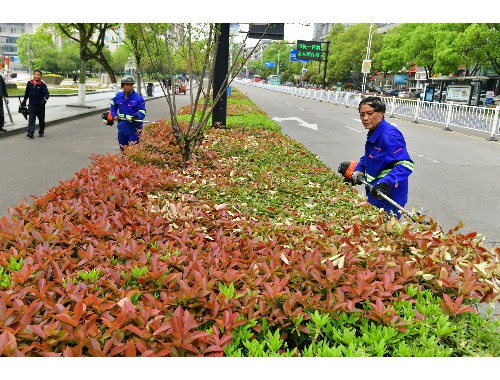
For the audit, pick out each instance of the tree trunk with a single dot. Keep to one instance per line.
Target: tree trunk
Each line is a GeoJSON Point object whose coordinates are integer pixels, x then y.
{"type": "Point", "coordinates": [81, 86]}
{"type": "Point", "coordinates": [139, 77]}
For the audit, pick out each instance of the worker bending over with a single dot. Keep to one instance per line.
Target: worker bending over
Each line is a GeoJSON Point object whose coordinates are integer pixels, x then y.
{"type": "Point", "coordinates": [386, 158]}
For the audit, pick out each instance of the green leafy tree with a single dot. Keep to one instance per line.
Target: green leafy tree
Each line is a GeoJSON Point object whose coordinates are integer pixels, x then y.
{"type": "Point", "coordinates": [119, 58]}
{"type": "Point", "coordinates": [40, 48]}
{"type": "Point", "coordinates": [430, 46]}
{"type": "Point", "coordinates": [69, 57]}
{"type": "Point", "coordinates": [348, 50]}
{"type": "Point", "coordinates": [478, 47]}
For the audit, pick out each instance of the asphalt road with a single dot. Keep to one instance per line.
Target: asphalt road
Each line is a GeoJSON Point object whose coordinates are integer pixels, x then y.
{"type": "Point", "coordinates": [32, 166]}
{"type": "Point", "coordinates": [456, 175]}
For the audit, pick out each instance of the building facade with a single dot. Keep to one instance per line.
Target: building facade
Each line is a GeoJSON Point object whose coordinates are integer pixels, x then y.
{"type": "Point", "coordinates": [9, 34]}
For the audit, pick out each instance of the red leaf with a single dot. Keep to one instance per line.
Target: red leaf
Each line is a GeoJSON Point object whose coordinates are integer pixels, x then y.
{"type": "Point", "coordinates": [67, 319]}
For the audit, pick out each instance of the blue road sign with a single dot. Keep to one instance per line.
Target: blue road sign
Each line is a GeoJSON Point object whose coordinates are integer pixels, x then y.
{"type": "Point", "coordinates": [269, 64]}
{"type": "Point", "coordinates": [293, 56]}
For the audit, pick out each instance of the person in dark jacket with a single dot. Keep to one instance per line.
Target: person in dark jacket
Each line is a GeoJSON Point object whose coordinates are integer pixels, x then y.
{"type": "Point", "coordinates": [3, 94]}
{"type": "Point", "coordinates": [128, 108]}
{"type": "Point", "coordinates": [386, 158]}
{"type": "Point", "coordinates": [38, 94]}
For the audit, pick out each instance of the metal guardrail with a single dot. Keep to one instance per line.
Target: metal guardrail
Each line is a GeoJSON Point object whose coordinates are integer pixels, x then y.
{"type": "Point", "coordinates": [481, 119]}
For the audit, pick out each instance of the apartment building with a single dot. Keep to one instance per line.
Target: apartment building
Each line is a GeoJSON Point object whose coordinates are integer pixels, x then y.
{"type": "Point", "coordinates": [9, 34]}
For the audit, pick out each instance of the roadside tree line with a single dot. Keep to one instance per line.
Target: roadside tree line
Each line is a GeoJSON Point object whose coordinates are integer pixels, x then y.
{"type": "Point", "coordinates": [439, 48]}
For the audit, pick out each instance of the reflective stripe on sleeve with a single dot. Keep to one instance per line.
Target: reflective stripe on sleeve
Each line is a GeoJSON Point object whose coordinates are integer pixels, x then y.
{"type": "Point", "coordinates": [407, 164]}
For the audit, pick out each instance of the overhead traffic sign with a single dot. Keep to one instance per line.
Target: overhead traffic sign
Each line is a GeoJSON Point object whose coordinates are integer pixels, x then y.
{"type": "Point", "coordinates": [309, 50]}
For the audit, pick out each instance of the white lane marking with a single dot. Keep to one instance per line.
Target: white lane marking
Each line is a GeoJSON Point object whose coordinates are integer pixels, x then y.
{"type": "Point", "coordinates": [424, 156]}
{"type": "Point", "coordinates": [352, 129]}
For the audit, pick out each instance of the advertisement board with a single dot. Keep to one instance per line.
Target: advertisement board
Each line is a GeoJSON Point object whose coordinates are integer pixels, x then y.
{"type": "Point", "coordinates": [459, 93]}
{"type": "Point", "coordinates": [489, 98]}
{"type": "Point", "coordinates": [429, 93]}
{"type": "Point", "coordinates": [366, 66]}
{"type": "Point", "coordinates": [400, 78]}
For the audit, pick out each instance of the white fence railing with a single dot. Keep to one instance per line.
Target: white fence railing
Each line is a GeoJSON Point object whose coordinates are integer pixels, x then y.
{"type": "Point", "coordinates": [481, 119]}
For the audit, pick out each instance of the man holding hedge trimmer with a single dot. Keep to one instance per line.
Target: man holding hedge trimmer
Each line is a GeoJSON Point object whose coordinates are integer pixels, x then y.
{"type": "Point", "coordinates": [129, 109]}
{"type": "Point", "coordinates": [386, 165]}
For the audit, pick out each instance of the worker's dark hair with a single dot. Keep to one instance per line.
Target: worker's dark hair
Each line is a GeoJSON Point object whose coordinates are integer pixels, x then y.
{"type": "Point", "coordinates": [34, 71]}
{"type": "Point", "coordinates": [373, 101]}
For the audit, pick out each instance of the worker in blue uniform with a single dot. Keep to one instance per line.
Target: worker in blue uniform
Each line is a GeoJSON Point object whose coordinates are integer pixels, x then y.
{"type": "Point", "coordinates": [386, 159]}
{"type": "Point", "coordinates": [128, 108]}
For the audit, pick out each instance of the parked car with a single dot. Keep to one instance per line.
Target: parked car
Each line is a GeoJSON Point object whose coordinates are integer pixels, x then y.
{"type": "Point", "coordinates": [404, 93]}
{"type": "Point", "coordinates": [391, 92]}
{"type": "Point", "coordinates": [482, 100]}
{"type": "Point", "coordinates": [415, 92]}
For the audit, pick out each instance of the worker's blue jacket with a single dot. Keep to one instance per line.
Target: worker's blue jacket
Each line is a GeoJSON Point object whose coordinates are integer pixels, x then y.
{"type": "Point", "coordinates": [386, 160]}
{"type": "Point", "coordinates": [126, 108]}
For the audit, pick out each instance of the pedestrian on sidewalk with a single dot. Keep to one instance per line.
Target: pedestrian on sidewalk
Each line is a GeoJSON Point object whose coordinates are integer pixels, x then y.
{"type": "Point", "coordinates": [128, 108]}
{"type": "Point", "coordinates": [75, 78]}
{"type": "Point", "coordinates": [386, 160]}
{"type": "Point", "coordinates": [3, 94]}
{"type": "Point", "coordinates": [38, 94]}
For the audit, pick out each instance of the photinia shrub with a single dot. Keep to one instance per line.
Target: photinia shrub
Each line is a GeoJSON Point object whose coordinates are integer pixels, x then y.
{"type": "Point", "coordinates": [136, 256]}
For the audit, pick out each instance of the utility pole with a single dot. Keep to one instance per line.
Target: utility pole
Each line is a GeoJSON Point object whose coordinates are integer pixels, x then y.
{"type": "Point", "coordinates": [220, 73]}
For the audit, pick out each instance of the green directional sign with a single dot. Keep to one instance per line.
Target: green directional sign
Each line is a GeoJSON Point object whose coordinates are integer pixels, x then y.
{"type": "Point", "coordinates": [309, 50]}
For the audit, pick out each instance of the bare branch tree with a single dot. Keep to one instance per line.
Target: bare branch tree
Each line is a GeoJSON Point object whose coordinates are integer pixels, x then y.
{"type": "Point", "coordinates": [199, 50]}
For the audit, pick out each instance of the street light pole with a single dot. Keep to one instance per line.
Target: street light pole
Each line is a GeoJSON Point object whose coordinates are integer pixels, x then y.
{"type": "Point", "coordinates": [278, 69]}
{"type": "Point", "coordinates": [368, 48]}
{"type": "Point", "coordinates": [29, 56]}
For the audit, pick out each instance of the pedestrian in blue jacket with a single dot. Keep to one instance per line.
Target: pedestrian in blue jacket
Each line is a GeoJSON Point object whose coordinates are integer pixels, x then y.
{"type": "Point", "coordinates": [128, 108]}
{"type": "Point", "coordinates": [38, 94]}
{"type": "Point", "coordinates": [386, 158]}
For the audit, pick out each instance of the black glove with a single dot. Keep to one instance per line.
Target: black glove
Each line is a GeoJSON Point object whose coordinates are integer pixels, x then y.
{"type": "Point", "coordinates": [23, 103]}
{"type": "Point", "coordinates": [135, 119]}
{"type": "Point", "coordinates": [6, 101]}
{"type": "Point", "coordinates": [358, 177]}
{"type": "Point", "coordinates": [380, 188]}
{"type": "Point", "coordinates": [43, 102]}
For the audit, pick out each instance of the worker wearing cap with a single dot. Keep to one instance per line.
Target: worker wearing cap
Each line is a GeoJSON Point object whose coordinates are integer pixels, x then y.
{"type": "Point", "coordinates": [386, 158]}
{"type": "Point", "coordinates": [128, 108]}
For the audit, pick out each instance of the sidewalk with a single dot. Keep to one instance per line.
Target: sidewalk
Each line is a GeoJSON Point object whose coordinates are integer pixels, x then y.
{"type": "Point", "coordinates": [61, 108]}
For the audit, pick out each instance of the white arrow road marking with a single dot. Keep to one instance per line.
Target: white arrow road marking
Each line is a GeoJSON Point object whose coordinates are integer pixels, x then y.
{"type": "Point", "coordinates": [300, 121]}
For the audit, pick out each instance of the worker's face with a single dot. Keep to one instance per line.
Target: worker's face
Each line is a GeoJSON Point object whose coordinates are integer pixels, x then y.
{"type": "Point", "coordinates": [127, 88]}
{"type": "Point", "coordinates": [369, 117]}
{"type": "Point", "coordinates": [37, 76]}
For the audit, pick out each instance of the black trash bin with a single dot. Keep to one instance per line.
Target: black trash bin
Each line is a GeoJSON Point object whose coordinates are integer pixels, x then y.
{"type": "Point", "coordinates": [149, 89]}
